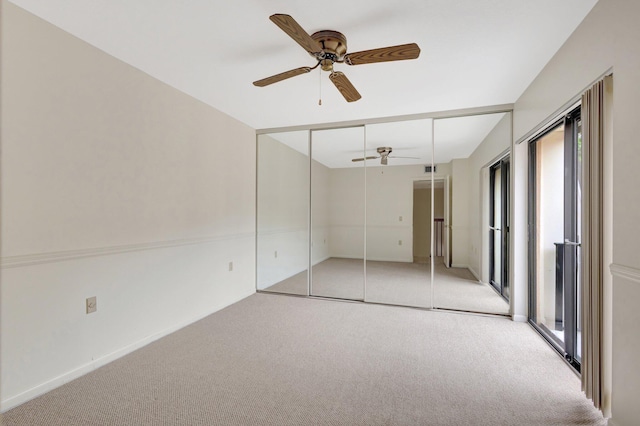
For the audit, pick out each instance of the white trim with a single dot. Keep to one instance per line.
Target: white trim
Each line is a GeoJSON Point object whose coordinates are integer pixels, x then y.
{"type": "Point", "coordinates": [61, 256]}
{"type": "Point", "coordinates": [626, 272]}
{"type": "Point", "coordinates": [390, 259]}
{"type": "Point", "coordinates": [456, 265]}
{"type": "Point", "coordinates": [56, 382]}
{"type": "Point", "coordinates": [491, 109]}
{"type": "Point", "coordinates": [519, 318]}
{"type": "Point", "coordinates": [611, 422]}
{"type": "Point", "coordinates": [474, 273]}
{"type": "Point", "coordinates": [278, 231]}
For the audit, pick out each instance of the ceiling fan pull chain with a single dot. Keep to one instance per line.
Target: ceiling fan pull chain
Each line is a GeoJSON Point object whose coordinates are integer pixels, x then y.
{"type": "Point", "coordinates": [320, 86]}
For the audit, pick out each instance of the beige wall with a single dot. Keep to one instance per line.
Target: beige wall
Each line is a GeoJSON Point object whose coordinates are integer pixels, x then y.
{"type": "Point", "coordinates": [117, 186]}
{"type": "Point", "coordinates": [460, 213]}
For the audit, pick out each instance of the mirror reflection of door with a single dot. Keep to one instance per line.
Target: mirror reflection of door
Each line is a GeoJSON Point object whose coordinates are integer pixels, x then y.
{"type": "Point", "coordinates": [338, 213]}
{"type": "Point", "coordinates": [282, 227]}
{"type": "Point", "coordinates": [400, 152]}
{"type": "Point", "coordinates": [446, 223]}
{"type": "Point", "coordinates": [499, 226]}
{"type": "Point", "coordinates": [464, 148]}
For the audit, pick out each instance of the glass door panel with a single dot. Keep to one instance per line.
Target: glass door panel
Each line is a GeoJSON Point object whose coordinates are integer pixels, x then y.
{"type": "Point", "coordinates": [282, 260]}
{"type": "Point", "coordinates": [338, 213]}
{"type": "Point", "coordinates": [398, 220]}
{"type": "Point", "coordinates": [555, 197]}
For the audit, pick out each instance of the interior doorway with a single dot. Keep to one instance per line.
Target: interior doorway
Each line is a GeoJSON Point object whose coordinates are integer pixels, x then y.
{"type": "Point", "coordinates": [422, 223]}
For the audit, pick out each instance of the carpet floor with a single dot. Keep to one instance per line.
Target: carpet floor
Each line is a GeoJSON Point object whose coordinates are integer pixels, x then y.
{"type": "Point", "coordinates": [279, 360]}
{"type": "Point", "coordinates": [397, 283]}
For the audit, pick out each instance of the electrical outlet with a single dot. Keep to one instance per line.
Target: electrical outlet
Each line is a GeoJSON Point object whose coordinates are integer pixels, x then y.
{"type": "Point", "coordinates": [399, 242]}
{"type": "Point", "coordinates": [230, 266]}
{"type": "Point", "coordinates": [400, 218]}
{"type": "Point", "coordinates": [92, 305]}
{"type": "Point", "coordinates": [275, 254]}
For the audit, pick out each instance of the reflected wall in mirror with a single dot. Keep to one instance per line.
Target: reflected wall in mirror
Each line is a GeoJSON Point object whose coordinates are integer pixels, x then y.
{"type": "Point", "coordinates": [283, 212]}
{"type": "Point", "coordinates": [338, 213]}
{"type": "Point", "coordinates": [468, 147]}
{"type": "Point", "coordinates": [394, 274]}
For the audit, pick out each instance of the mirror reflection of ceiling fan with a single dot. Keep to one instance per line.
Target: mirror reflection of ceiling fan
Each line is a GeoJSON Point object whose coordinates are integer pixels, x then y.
{"type": "Point", "coordinates": [329, 47]}
{"type": "Point", "coordinates": [384, 152]}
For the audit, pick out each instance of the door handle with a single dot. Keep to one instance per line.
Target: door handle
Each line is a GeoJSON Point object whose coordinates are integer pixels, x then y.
{"type": "Point", "coordinates": [571, 243]}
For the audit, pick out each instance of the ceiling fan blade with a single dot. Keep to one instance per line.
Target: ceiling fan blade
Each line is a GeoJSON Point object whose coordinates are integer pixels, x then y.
{"type": "Point", "coordinates": [282, 76]}
{"type": "Point", "coordinates": [412, 158]}
{"type": "Point", "coordinates": [296, 32]}
{"type": "Point", "coordinates": [384, 54]}
{"type": "Point", "coordinates": [365, 158]}
{"type": "Point", "coordinates": [344, 86]}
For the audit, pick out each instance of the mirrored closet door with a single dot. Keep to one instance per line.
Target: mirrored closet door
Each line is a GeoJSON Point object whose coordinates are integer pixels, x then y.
{"type": "Point", "coordinates": [338, 213]}
{"type": "Point", "coordinates": [396, 213]}
{"type": "Point", "coordinates": [464, 150]}
{"type": "Point", "coordinates": [282, 261]}
{"type": "Point", "coordinates": [398, 206]}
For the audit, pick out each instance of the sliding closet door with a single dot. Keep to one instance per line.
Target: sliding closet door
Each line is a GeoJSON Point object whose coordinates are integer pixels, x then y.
{"type": "Point", "coordinates": [338, 213]}
{"type": "Point", "coordinates": [398, 216]}
{"type": "Point", "coordinates": [282, 261]}
{"type": "Point", "coordinates": [464, 147]}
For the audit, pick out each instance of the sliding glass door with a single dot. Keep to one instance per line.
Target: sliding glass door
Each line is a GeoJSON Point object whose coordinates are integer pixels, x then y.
{"type": "Point", "coordinates": [555, 165]}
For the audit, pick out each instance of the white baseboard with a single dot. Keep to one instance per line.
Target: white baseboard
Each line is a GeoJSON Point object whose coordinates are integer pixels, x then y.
{"type": "Point", "coordinates": [519, 318]}
{"type": "Point", "coordinates": [56, 382]}
{"type": "Point", "coordinates": [455, 265]}
{"type": "Point", "coordinates": [611, 422]}
{"type": "Point", "coordinates": [321, 260]}
{"type": "Point", "coordinates": [398, 259]}
{"type": "Point", "coordinates": [474, 273]}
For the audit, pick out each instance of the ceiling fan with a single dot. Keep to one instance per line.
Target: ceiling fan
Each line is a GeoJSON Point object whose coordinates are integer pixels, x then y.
{"type": "Point", "coordinates": [384, 152]}
{"type": "Point", "coordinates": [329, 47]}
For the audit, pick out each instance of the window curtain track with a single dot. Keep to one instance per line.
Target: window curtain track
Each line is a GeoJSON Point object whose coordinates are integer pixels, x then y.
{"type": "Point", "coordinates": [594, 117]}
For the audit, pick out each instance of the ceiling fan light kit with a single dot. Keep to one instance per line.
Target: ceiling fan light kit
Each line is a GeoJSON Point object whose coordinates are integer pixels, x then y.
{"type": "Point", "coordinates": [329, 47]}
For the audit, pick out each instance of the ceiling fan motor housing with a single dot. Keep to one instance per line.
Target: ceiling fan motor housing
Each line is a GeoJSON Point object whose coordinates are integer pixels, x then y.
{"type": "Point", "coordinates": [334, 47]}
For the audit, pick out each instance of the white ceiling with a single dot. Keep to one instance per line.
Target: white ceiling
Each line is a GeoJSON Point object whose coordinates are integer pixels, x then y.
{"type": "Point", "coordinates": [474, 52]}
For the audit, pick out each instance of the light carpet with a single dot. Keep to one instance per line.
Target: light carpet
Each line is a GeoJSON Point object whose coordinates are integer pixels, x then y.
{"type": "Point", "coordinates": [279, 360]}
